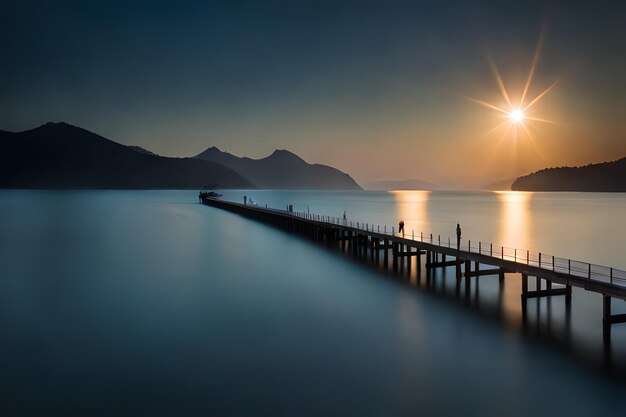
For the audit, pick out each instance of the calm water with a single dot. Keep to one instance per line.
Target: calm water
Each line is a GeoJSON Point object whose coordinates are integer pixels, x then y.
{"type": "Point", "coordinates": [147, 303]}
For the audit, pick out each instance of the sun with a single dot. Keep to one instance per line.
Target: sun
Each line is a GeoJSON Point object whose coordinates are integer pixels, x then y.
{"type": "Point", "coordinates": [518, 113]}
{"type": "Point", "coordinates": [516, 116]}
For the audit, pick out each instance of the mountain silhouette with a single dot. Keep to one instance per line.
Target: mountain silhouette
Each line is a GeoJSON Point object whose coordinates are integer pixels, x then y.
{"type": "Point", "coordinates": [282, 170]}
{"type": "Point", "coordinates": [605, 176]}
{"type": "Point", "coordinates": [58, 155]}
{"type": "Point", "coordinates": [142, 150]}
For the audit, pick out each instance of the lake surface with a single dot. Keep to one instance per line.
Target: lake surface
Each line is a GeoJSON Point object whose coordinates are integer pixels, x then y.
{"type": "Point", "coordinates": [148, 303]}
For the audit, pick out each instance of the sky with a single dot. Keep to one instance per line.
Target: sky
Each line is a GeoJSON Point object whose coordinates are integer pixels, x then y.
{"type": "Point", "coordinates": [378, 89]}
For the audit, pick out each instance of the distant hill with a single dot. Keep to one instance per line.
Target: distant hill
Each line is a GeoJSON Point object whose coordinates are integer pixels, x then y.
{"type": "Point", "coordinates": [410, 184]}
{"type": "Point", "coordinates": [283, 170]}
{"type": "Point", "coordinates": [606, 176]}
{"type": "Point", "coordinates": [502, 185]}
{"type": "Point", "coordinates": [58, 155]}
{"type": "Point", "coordinates": [142, 150]}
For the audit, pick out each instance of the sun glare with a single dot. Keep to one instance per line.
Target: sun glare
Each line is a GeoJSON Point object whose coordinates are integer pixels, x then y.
{"type": "Point", "coordinates": [518, 112]}
{"type": "Point", "coordinates": [516, 116]}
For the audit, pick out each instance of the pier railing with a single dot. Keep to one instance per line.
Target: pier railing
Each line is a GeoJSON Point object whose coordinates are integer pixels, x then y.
{"type": "Point", "coordinates": [542, 260]}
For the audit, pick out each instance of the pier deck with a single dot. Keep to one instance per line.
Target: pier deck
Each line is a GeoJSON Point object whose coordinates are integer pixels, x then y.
{"type": "Point", "coordinates": [606, 281]}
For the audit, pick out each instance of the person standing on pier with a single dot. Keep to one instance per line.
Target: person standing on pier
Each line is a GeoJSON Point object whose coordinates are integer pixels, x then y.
{"type": "Point", "coordinates": [401, 227]}
{"type": "Point", "coordinates": [458, 236]}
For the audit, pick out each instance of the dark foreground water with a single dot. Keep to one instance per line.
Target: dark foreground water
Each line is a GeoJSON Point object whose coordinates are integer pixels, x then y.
{"type": "Point", "coordinates": [147, 303]}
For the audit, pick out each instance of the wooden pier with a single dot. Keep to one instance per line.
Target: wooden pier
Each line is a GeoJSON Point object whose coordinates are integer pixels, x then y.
{"type": "Point", "coordinates": [399, 248]}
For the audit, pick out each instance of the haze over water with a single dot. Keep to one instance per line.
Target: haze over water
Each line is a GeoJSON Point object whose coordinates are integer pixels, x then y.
{"type": "Point", "coordinates": [149, 302]}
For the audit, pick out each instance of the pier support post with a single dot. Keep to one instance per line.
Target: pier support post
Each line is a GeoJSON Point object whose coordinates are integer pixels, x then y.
{"type": "Point", "coordinates": [609, 319]}
{"type": "Point", "coordinates": [548, 292]}
{"type": "Point", "coordinates": [606, 310]}
{"type": "Point", "coordinates": [524, 286]}
{"type": "Point", "coordinates": [386, 253]}
{"type": "Point", "coordinates": [606, 319]}
{"type": "Point", "coordinates": [408, 252]}
{"type": "Point", "coordinates": [394, 251]}
{"type": "Point", "coordinates": [418, 260]}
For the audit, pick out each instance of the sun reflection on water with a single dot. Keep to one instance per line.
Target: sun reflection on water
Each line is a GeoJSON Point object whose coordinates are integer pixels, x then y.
{"type": "Point", "coordinates": [412, 208]}
{"type": "Point", "coordinates": [515, 223]}
{"type": "Point", "coordinates": [515, 219]}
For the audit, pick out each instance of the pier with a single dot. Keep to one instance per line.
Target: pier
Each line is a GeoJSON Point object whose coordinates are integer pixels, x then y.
{"type": "Point", "coordinates": [553, 276]}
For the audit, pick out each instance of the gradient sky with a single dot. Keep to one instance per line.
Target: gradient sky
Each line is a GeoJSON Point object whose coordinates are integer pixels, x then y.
{"type": "Point", "coordinates": [375, 88]}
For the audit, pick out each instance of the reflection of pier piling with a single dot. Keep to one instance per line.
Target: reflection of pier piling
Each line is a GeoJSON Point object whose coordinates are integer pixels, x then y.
{"type": "Point", "coordinates": [553, 276]}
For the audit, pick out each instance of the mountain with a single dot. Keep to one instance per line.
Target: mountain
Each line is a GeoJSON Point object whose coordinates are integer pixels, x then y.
{"type": "Point", "coordinates": [606, 176]}
{"type": "Point", "coordinates": [282, 170]}
{"type": "Point", "coordinates": [410, 184]}
{"type": "Point", "coordinates": [58, 155]}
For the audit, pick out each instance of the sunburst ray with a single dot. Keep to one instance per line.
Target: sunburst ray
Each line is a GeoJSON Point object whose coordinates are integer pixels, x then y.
{"type": "Point", "coordinates": [533, 66]}
{"type": "Point", "coordinates": [517, 117]}
{"type": "Point", "coordinates": [496, 73]}
{"type": "Point", "coordinates": [488, 105]}
{"type": "Point", "coordinates": [498, 126]}
{"type": "Point", "coordinates": [537, 119]}
{"type": "Point", "coordinates": [543, 93]}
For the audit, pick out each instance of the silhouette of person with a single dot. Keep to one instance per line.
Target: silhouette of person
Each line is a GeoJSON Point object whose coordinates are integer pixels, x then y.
{"type": "Point", "coordinates": [344, 215]}
{"type": "Point", "coordinates": [458, 236]}
{"type": "Point", "coordinates": [401, 227]}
